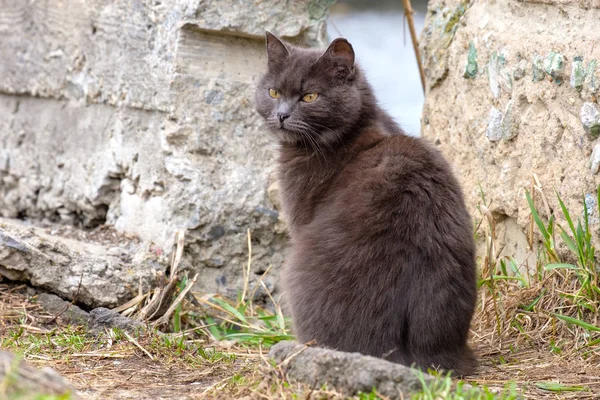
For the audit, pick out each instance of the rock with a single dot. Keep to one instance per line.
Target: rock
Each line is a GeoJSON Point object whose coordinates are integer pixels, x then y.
{"type": "Point", "coordinates": [577, 73]}
{"type": "Point", "coordinates": [591, 78]}
{"type": "Point", "coordinates": [101, 318]}
{"type": "Point", "coordinates": [494, 129]}
{"type": "Point", "coordinates": [59, 264]}
{"type": "Point", "coordinates": [498, 74]}
{"type": "Point", "coordinates": [537, 68]}
{"type": "Point", "coordinates": [437, 37]}
{"type": "Point", "coordinates": [520, 70]}
{"type": "Point", "coordinates": [471, 67]}
{"type": "Point", "coordinates": [348, 373]}
{"type": "Point", "coordinates": [71, 313]}
{"type": "Point", "coordinates": [595, 159]}
{"type": "Point", "coordinates": [553, 65]}
{"type": "Point", "coordinates": [510, 122]}
{"type": "Point", "coordinates": [590, 118]}
{"type": "Point", "coordinates": [149, 125]}
{"type": "Point", "coordinates": [22, 380]}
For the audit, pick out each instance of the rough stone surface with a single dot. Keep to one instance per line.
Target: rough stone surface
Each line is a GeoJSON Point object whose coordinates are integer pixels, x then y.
{"type": "Point", "coordinates": [21, 380]}
{"type": "Point", "coordinates": [548, 137]}
{"type": "Point", "coordinates": [139, 114]}
{"type": "Point", "coordinates": [67, 311]}
{"type": "Point", "coordinates": [590, 118]}
{"type": "Point", "coordinates": [595, 159]}
{"type": "Point", "coordinates": [494, 129]}
{"type": "Point", "coordinates": [108, 276]}
{"type": "Point", "coordinates": [349, 373]}
{"type": "Point", "coordinates": [101, 318]}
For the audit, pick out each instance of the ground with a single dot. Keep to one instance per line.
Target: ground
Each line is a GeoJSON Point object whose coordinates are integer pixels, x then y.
{"type": "Point", "coordinates": [536, 333]}
{"type": "Point", "coordinates": [107, 365]}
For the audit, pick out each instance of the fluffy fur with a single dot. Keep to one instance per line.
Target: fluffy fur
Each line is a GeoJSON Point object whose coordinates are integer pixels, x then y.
{"type": "Point", "coordinates": [381, 259]}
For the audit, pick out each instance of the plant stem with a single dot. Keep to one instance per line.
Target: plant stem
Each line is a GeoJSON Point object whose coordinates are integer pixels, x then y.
{"type": "Point", "coordinates": [408, 12]}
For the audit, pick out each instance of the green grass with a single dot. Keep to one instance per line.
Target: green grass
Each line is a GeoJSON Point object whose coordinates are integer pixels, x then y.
{"type": "Point", "coordinates": [562, 288]}
{"type": "Point", "coordinates": [68, 339]}
{"type": "Point", "coordinates": [443, 387]}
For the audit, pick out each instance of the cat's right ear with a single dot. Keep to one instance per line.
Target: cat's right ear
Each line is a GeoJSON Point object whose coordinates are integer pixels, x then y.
{"type": "Point", "coordinates": [276, 50]}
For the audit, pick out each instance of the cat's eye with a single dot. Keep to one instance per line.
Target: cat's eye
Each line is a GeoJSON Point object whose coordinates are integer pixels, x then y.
{"type": "Point", "coordinates": [274, 93]}
{"type": "Point", "coordinates": [310, 97]}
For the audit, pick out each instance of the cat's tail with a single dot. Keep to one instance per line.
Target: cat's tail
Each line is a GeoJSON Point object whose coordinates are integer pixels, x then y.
{"type": "Point", "coordinates": [461, 362]}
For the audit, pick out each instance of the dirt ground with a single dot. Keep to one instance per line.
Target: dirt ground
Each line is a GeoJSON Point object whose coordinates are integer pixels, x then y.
{"type": "Point", "coordinates": [103, 367]}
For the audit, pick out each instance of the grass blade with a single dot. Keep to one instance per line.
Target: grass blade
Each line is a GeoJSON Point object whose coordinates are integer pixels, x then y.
{"type": "Point", "coordinates": [562, 266]}
{"type": "Point", "coordinates": [559, 387]}
{"type": "Point", "coordinates": [578, 322]}
{"type": "Point", "coordinates": [536, 217]}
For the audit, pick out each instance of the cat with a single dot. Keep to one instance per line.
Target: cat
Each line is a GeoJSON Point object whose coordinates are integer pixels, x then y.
{"type": "Point", "coordinates": [382, 256]}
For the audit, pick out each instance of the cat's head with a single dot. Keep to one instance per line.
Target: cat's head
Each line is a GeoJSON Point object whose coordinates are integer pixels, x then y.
{"type": "Point", "coordinates": [308, 96]}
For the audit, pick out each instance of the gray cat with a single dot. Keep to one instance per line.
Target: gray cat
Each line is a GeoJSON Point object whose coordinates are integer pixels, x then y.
{"type": "Point", "coordinates": [382, 258]}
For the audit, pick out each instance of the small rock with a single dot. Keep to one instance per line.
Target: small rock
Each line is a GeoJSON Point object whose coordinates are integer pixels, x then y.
{"type": "Point", "coordinates": [69, 312]}
{"type": "Point", "coordinates": [349, 373]}
{"type": "Point", "coordinates": [590, 118]}
{"type": "Point", "coordinates": [577, 73]}
{"type": "Point", "coordinates": [471, 67]}
{"type": "Point", "coordinates": [590, 203]}
{"type": "Point", "coordinates": [22, 381]}
{"type": "Point", "coordinates": [591, 79]}
{"type": "Point", "coordinates": [104, 318]}
{"type": "Point", "coordinates": [537, 65]}
{"type": "Point", "coordinates": [553, 65]}
{"type": "Point", "coordinates": [520, 70]}
{"type": "Point", "coordinates": [494, 129]}
{"type": "Point", "coordinates": [498, 74]}
{"type": "Point", "coordinates": [510, 122]}
{"type": "Point", "coordinates": [595, 159]}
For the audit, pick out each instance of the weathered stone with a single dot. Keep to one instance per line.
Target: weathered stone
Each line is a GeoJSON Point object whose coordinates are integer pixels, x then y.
{"type": "Point", "coordinates": [590, 118]}
{"type": "Point", "coordinates": [471, 67]}
{"type": "Point", "coordinates": [101, 318]}
{"type": "Point", "coordinates": [595, 159]}
{"type": "Point", "coordinates": [510, 122]}
{"type": "Point", "coordinates": [553, 65]}
{"type": "Point", "coordinates": [437, 37]}
{"type": "Point", "coordinates": [537, 68]}
{"type": "Point", "coordinates": [22, 381]}
{"type": "Point", "coordinates": [59, 265]}
{"type": "Point", "coordinates": [494, 128]}
{"type": "Point", "coordinates": [591, 78]}
{"type": "Point", "coordinates": [349, 373]}
{"type": "Point", "coordinates": [68, 312]}
{"type": "Point", "coordinates": [520, 70]}
{"type": "Point", "coordinates": [494, 72]}
{"type": "Point", "coordinates": [144, 120]}
{"type": "Point", "coordinates": [577, 73]}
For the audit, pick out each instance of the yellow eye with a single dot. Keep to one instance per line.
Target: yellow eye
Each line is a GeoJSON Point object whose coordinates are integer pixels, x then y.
{"type": "Point", "coordinates": [274, 93]}
{"type": "Point", "coordinates": [310, 97]}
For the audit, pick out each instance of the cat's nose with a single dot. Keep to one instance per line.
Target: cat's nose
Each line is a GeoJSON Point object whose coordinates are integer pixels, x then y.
{"type": "Point", "coordinates": [282, 116]}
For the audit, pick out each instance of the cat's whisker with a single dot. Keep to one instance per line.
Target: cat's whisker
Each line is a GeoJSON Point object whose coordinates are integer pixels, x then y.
{"type": "Point", "coordinates": [314, 138]}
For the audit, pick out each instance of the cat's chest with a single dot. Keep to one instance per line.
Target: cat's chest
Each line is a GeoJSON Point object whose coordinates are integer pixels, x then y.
{"type": "Point", "coordinates": [304, 190]}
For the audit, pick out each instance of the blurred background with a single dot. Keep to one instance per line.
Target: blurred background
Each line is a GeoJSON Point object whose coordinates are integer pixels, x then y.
{"type": "Point", "coordinates": [381, 39]}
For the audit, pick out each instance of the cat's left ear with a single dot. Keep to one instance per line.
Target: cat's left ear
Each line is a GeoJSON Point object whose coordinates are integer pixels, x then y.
{"type": "Point", "coordinates": [339, 58]}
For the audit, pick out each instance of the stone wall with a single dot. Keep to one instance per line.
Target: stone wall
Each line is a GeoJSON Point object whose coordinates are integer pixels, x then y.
{"type": "Point", "coordinates": [139, 114]}
{"type": "Point", "coordinates": [512, 97]}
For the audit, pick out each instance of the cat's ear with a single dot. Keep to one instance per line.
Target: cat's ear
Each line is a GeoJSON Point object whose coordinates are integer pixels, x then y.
{"type": "Point", "coordinates": [276, 50]}
{"type": "Point", "coordinates": [339, 58]}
